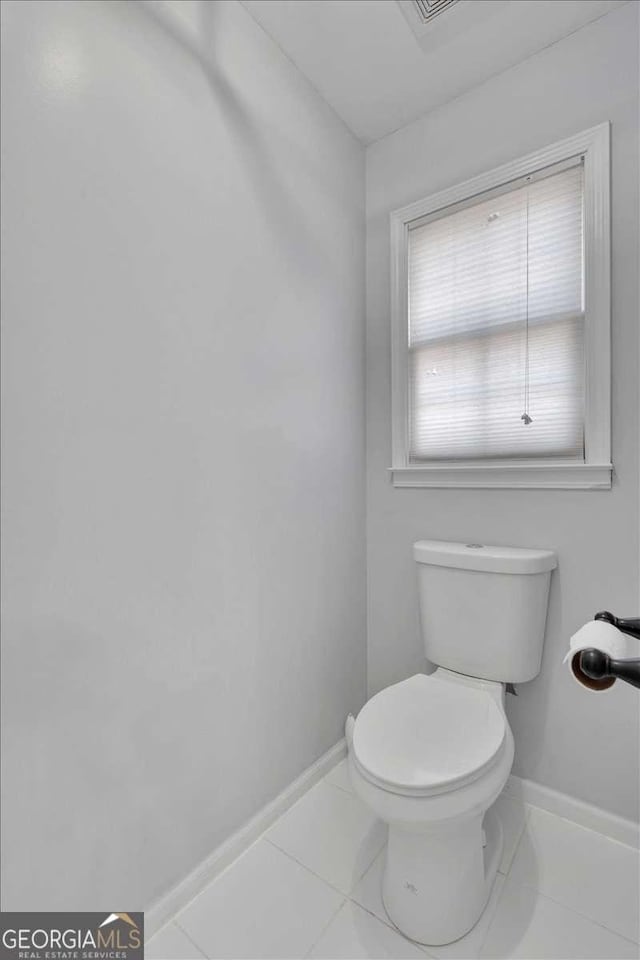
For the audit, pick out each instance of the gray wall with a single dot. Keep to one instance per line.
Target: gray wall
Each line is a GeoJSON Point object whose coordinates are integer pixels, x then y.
{"type": "Point", "coordinates": [580, 743]}
{"type": "Point", "coordinates": [183, 459]}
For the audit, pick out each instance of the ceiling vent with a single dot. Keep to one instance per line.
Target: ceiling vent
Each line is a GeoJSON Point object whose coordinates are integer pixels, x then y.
{"type": "Point", "coordinates": [428, 9]}
{"type": "Point", "coordinates": [433, 31]}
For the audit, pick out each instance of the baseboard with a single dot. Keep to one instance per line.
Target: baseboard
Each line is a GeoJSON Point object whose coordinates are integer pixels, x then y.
{"type": "Point", "coordinates": [584, 814]}
{"type": "Point", "coordinates": [164, 909]}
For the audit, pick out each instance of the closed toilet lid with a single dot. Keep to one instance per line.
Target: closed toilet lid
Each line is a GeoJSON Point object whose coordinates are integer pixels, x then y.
{"type": "Point", "coordinates": [426, 734]}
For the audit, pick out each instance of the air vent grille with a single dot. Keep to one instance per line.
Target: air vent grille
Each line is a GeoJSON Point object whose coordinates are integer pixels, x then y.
{"type": "Point", "coordinates": [428, 9]}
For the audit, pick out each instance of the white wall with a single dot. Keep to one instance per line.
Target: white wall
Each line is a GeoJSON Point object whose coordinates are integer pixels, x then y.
{"type": "Point", "coordinates": [566, 738]}
{"type": "Point", "coordinates": [183, 305]}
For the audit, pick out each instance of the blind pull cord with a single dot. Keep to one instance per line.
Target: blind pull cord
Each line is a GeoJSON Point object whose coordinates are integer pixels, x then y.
{"type": "Point", "coordinates": [526, 419]}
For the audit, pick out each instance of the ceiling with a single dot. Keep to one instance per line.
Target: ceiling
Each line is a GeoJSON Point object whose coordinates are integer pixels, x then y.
{"type": "Point", "coordinates": [364, 58]}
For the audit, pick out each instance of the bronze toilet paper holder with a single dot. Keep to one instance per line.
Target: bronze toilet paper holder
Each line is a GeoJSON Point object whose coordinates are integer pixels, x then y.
{"type": "Point", "coordinates": [599, 667]}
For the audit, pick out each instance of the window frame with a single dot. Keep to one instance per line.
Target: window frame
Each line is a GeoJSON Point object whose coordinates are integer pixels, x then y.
{"type": "Point", "coordinates": [595, 472]}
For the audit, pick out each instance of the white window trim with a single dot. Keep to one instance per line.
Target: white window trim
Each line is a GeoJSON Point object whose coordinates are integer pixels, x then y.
{"type": "Point", "coordinates": [595, 472]}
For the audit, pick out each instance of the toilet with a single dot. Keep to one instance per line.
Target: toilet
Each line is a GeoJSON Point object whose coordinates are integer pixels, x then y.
{"type": "Point", "coordinates": [431, 754]}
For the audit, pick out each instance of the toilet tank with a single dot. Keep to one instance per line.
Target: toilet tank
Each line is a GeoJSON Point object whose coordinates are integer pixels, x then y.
{"type": "Point", "coordinates": [484, 609]}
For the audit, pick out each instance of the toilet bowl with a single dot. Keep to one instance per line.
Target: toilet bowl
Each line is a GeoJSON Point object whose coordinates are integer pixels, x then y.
{"type": "Point", "coordinates": [431, 754]}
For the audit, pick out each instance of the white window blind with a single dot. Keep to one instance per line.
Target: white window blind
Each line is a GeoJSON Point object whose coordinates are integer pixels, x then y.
{"type": "Point", "coordinates": [496, 325]}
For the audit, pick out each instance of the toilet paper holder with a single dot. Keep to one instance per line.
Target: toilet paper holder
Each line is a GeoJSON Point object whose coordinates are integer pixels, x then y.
{"type": "Point", "coordinates": [598, 666]}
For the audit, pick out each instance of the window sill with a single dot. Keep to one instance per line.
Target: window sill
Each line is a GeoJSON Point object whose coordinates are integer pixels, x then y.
{"type": "Point", "coordinates": [550, 476]}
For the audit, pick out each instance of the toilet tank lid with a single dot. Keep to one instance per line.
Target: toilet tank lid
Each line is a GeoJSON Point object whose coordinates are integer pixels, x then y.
{"type": "Point", "coordinates": [480, 556]}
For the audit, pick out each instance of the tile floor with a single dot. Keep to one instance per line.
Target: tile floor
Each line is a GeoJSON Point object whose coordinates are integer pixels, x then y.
{"type": "Point", "coordinates": [310, 887]}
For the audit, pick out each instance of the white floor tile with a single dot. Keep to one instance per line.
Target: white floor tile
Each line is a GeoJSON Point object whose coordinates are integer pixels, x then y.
{"type": "Point", "coordinates": [339, 776]}
{"type": "Point", "coordinates": [570, 892]}
{"type": "Point", "coordinates": [513, 815]}
{"type": "Point", "coordinates": [368, 894]}
{"type": "Point", "coordinates": [529, 926]}
{"type": "Point", "coordinates": [332, 833]}
{"type": "Point", "coordinates": [171, 943]}
{"type": "Point", "coordinates": [581, 869]}
{"type": "Point", "coordinates": [354, 933]}
{"type": "Point", "coordinates": [264, 905]}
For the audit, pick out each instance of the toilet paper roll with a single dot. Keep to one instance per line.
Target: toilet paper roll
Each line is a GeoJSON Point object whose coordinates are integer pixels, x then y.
{"type": "Point", "coordinates": [599, 635]}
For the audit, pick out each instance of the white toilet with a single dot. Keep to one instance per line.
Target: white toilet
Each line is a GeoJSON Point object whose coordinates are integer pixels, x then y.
{"type": "Point", "coordinates": [431, 754]}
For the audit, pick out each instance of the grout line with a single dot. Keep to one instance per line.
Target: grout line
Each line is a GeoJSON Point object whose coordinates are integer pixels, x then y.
{"type": "Point", "coordinates": [333, 886]}
{"type": "Point", "coordinates": [386, 920]}
{"type": "Point", "coordinates": [326, 927]}
{"type": "Point", "coordinates": [346, 790]}
{"type": "Point", "coordinates": [389, 923]}
{"type": "Point", "coordinates": [331, 783]}
{"type": "Point", "coordinates": [530, 810]}
{"type": "Point", "coordinates": [577, 913]}
{"type": "Point", "coordinates": [190, 939]}
{"type": "Point", "coordinates": [308, 869]}
{"type": "Point", "coordinates": [520, 838]}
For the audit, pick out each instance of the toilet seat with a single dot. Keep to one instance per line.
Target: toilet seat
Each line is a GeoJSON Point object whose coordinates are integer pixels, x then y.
{"type": "Point", "coordinates": [428, 735]}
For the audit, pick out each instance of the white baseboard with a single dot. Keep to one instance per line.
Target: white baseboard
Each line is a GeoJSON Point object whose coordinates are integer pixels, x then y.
{"type": "Point", "coordinates": [584, 814]}
{"type": "Point", "coordinates": [179, 896]}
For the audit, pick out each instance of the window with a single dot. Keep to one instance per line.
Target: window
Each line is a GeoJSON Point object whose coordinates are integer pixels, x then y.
{"type": "Point", "coordinates": [501, 326]}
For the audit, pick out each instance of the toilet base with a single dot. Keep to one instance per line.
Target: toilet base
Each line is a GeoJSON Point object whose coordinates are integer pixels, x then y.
{"type": "Point", "coordinates": [436, 883]}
